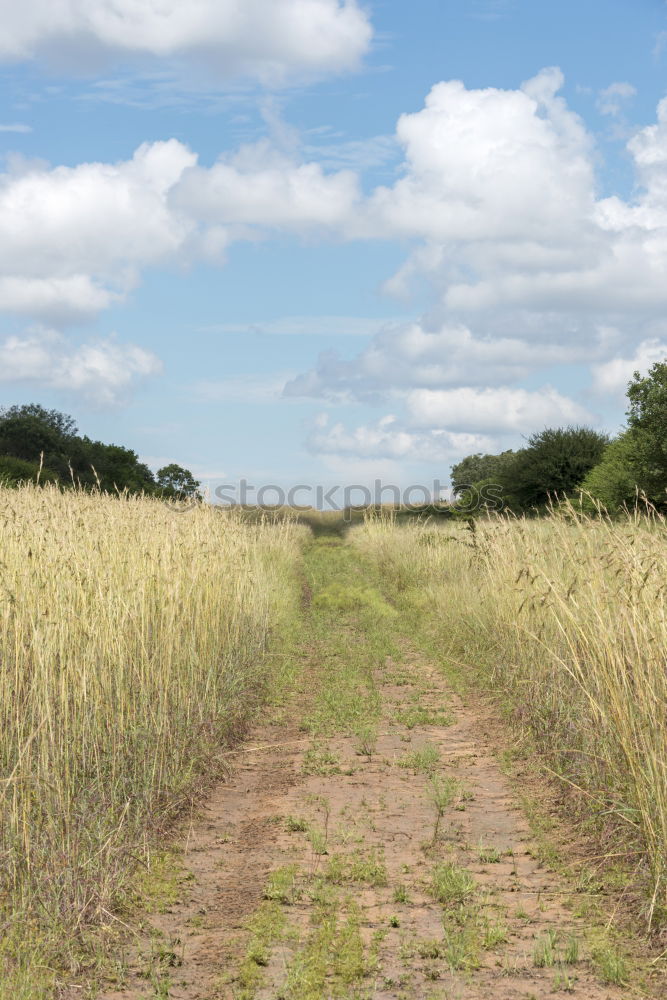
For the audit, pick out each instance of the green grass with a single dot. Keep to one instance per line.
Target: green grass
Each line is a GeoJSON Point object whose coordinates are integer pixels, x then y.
{"type": "Point", "coordinates": [360, 866]}
{"type": "Point", "coordinates": [424, 760]}
{"type": "Point", "coordinates": [451, 884]}
{"type": "Point", "coordinates": [283, 885]}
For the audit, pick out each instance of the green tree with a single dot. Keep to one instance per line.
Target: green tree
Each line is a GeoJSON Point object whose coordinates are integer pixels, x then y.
{"type": "Point", "coordinates": [647, 423]}
{"type": "Point", "coordinates": [614, 481]}
{"type": "Point", "coordinates": [554, 463]}
{"type": "Point", "coordinates": [176, 481]}
{"type": "Point", "coordinates": [61, 423]}
{"type": "Point", "coordinates": [15, 470]}
{"type": "Point", "coordinates": [114, 466]}
{"type": "Point", "coordinates": [26, 432]}
{"type": "Point", "coordinates": [474, 469]}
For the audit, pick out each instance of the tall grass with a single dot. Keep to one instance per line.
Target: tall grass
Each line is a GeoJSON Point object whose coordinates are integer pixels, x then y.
{"type": "Point", "coordinates": [567, 616]}
{"type": "Point", "coordinates": [132, 642]}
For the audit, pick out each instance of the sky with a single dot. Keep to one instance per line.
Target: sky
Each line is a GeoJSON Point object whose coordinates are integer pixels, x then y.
{"type": "Point", "coordinates": [302, 242]}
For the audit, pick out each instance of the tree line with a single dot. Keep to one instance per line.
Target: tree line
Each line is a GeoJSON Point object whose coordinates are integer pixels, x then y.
{"type": "Point", "coordinates": [580, 462]}
{"type": "Point", "coordinates": [45, 446]}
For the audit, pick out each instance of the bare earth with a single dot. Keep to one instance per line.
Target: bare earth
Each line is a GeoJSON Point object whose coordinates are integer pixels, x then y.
{"type": "Point", "coordinates": [374, 848]}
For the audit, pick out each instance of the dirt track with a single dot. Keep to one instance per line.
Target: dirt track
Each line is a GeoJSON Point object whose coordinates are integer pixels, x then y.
{"type": "Point", "coordinates": [354, 844]}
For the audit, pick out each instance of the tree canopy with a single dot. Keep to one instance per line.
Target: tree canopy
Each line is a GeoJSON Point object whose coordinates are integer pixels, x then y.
{"type": "Point", "coordinates": [36, 442]}
{"type": "Point", "coordinates": [575, 461]}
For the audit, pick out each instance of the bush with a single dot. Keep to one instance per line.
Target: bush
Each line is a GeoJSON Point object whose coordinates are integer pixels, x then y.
{"type": "Point", "coordinates": [15, 470]}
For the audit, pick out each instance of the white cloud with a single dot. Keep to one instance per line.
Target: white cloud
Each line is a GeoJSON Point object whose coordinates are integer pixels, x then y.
{"type": "Point", "coordinates": [104, 372]}
{"type": "Point", "coordinates": [386, 439]}
{"type": "Point", "coordinates": [433, 354]}
{"type": "Point", "coordinates": [267, 39]}
{"type": "Point", "coordinates": [74, 239]}
{"type": "Point", "coordinates": [611, 100]}
{"type": "Point", "coordinates": [499, 187]}
{"type": "Point", "coordinates": [499, 410]}
{"type": "Point", "coordinates": [261, 186]}
{"type": "Point", "coordinates": [490, 165]}
{"type": "Point", "coordinates": [612, 376]}
{"type": "Point", "coordinates": [19, 127]}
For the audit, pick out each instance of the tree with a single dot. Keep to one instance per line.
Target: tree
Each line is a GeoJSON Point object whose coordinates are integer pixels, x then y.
{"type": "Point", "coordinates": [114, 466]}
{"type": "Point", "coordinates": [14, 471]}
{"type": "Point", "coordinates": [27, 432]}
{"type": "Point", "coordinates": [647, 423]}
{"type": "Point", "coordinates": [474, 469]}
{"type": "Point", "coordinates": [614, 481]}
{"type": "Point", "coordinates": [63, 425]}
{"type": "Point", "coordinates": [176, 481]}
{"type": "Point", "coordinates": [554, 463]}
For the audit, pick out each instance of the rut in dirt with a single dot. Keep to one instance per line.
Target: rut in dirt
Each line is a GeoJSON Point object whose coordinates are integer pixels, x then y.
{"type": "Point", "coordinates": [367, 844]}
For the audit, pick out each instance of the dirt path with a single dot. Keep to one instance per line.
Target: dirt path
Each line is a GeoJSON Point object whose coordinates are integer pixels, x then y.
{"type": "Point", "coordinates": [390, 861]}
{"type": "Point", "coordinates": [375, 820]}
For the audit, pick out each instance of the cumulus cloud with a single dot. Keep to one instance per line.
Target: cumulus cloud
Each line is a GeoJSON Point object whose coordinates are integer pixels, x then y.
{"type": "Point", "coordinates": [267, 39]}
{"type": "Point", "coordinates": [490, 164]}
{"type": "Point", "coordinates": [261, 186]}
{"type": "Point", "coordinates": [104, 371]}
{"type": "Point", "coordinates": [612, 377]}
{"type": "Point", "coordinates": [494, 410]}
{"type": "Point", "coordinates": [441, 426]}
{"type": "Point", "coordinates": [387, 439]}
{"type": "Point", "coordinates": [499, 187]}
{"type": "Point", "coordinates": [531, 267]}
{"type": "Point", "coordinates": [74, 239]}
{"type": "Point", "coordinates": [431, 354]}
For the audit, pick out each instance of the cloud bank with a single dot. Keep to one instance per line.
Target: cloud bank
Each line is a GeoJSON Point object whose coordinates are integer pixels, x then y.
{"type": "Point", "coordinates": [497, 196]}
{"type": "Point", "coordinates": [271, 40]}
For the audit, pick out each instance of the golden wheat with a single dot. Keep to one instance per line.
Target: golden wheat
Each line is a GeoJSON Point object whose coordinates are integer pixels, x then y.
{"type": "Point", "coordinates": [131, 648]}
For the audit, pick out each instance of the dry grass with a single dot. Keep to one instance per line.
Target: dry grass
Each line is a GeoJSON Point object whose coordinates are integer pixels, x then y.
{"type": "Point", "coordinates": [132, 646]}
{"type": "Point", "coordinates": [566, 615]}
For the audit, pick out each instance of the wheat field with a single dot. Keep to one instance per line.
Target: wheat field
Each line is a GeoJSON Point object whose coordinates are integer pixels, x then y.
{"type": "Point", "coordinates": [132, 649]}
{"type": "Point", "coordinates": [566, 617]}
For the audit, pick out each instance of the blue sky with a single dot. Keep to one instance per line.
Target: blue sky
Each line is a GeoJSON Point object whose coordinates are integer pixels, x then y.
{"type": "Point", "coordinates": [287, 246]}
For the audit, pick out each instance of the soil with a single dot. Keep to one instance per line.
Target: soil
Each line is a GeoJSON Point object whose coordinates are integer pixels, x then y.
{"type": "Point", "coordinates": [370, 806]}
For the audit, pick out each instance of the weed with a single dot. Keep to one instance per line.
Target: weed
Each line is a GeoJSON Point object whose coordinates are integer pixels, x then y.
{"type": "Point", "coordinates": [425, 760]}
{"type": "Point", "coordinates": [571, 951]}
{"type": "Point", "coordinates": [401, 894]}
{"type": "Point", "coordinates": [443, 792]}
{"type": "Point", "coordinates": [416, 715]}
{"type": "Point", "coordinates": [321, 761]}
{"type": "Point", "coordinates": [282, 885]}
{"type": "Point", "coordinates": [296, 824]}
{"type": "Point", "coordinates": [544, 951]}
{"type": "Point", "coordinates": [494, 934]}
{"type": "Point", "coordinates": [489, 855]}
{"type": "Point", "coordinates": [366, 741]}
{"type": "Point", "coordinates": [451, 884]}
{"type": "Point", "coordinates": [430, 948]}
{"type": "Point", "coordinates": [611, 965]}
{"type": "Point", "coordinates": [359, 866]}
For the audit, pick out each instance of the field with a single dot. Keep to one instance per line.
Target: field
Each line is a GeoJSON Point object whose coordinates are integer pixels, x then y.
{"type": "Point", "coordinates": [244, 759]}
{"type": "Point", "coordinates": [132, 651]}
